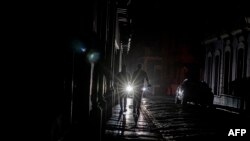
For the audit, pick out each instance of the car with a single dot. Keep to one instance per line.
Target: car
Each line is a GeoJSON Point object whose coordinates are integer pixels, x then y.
{"type": "Point", "coordinates": [193, 91]}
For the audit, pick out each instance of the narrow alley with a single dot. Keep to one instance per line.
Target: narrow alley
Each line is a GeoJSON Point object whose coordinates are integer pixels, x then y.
{"type": "Point", "coordinates": [69, 64]}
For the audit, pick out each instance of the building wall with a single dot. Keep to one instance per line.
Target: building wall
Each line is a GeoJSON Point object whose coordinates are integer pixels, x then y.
{"type": "Point", "coordinates": [226, 66]}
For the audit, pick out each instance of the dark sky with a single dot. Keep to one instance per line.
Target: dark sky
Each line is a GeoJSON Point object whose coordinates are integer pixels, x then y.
{"type": "Point", "coordinates": [154, 16]}
{"type": "Point", "coordinates": [182, 26]}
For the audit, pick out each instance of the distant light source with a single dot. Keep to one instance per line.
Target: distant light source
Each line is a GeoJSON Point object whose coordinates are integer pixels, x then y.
{"type": "Point", "coordinates": [83, 49]}
{"type": "Point", "coordinates": [78, 46]}
{"type": "Point", "coordinates": [93, 57]}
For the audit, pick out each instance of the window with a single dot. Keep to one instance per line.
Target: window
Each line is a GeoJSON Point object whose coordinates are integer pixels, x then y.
{"type": "Point", "coordinates": [209, 69]}
{"type": "Point", "coordinates": [240, 62]}
{"type": "Point", "coordinates": [240, 59]}
{"type": "Point", "coordinates": [227, 71]}
{"type": "Point", "coordinates": [209, 72]}
{"type": "Point", "coordinates": [216, 75]}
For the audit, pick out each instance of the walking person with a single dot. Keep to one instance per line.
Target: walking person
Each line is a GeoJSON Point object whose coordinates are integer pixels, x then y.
{"type": "Point", "coordinates": [138, 77]}
{"type": "Point", "coordinates": [122, 79]}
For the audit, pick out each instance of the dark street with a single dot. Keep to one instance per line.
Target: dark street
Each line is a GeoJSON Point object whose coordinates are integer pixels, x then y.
{"type": "Point", "coordinates": [161, 119]}
{"type": "Point", "coordinates": [128, 126]}
{"type": "Point", "coordinates": [70, 67]}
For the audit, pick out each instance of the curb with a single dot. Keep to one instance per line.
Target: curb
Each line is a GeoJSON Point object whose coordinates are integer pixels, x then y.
{"type": "Point", "coordinates": [227, 110]}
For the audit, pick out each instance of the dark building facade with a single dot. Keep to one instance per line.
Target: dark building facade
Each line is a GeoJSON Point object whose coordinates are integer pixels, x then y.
{"type": "Point", "coordinates": [83, 49]}
{"type": "Point", "coordinates": [227, 66]}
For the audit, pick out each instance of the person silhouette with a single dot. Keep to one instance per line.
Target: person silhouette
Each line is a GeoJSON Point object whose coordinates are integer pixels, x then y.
{"type": "Point", "coordinates": [138, 77]}
{"type": "Point", "coordinates": [121, 80]}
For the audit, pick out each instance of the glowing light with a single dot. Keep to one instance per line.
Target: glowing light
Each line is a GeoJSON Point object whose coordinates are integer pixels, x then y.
{"type": "Point", "coordinates": [144, 89]}
{"type": "Point", "coordinates": [129, 88]}
{"type": "Point", "coordinates": [83, 49]}
{"type": "Point", "coordinates": [78, 46]}
{"type": "Point", "coordinates": [93, 57]}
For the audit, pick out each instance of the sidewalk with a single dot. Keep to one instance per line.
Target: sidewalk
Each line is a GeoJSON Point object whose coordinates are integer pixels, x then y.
{"type": "Point", "coordinates": [232, 110]}
{"type": "Point", "coordinates": [217, 107]}
{"type": "Point", "coordinates": [127, 126]}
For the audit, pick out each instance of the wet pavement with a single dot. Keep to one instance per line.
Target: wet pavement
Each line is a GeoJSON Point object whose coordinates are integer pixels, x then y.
{"type": "Point", "coordinates": [191, 122]}
{"type": "Point", "coordinates": [130, 126]}
{"type": "Point", "coordinates": [162, 119]}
